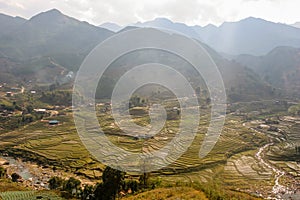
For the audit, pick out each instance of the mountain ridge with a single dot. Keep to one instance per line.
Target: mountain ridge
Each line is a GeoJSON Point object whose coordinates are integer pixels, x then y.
{"type": "Point", "coordinates": [111, 26]}
{"type": "Point", "coordinates": [280, 67]}
{"type": "Point", "coordinates": [52, 37]}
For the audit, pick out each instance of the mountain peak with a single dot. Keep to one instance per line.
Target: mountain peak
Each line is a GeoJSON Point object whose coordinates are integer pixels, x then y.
{"type": "Point", "coordinates": [156, 22]}
{"type": "Point", "coordinates": [54, 10]}
{"type": "Point", "coordinates": [162, 19]}
{"type": "Point", "coordinates": [210, 26]}
{"type": "Point", "coordinates": [254, 20]}
{"type": "Point", "coordinates": [251, 19]}
{"type": "Point", "coordinates": [247, 20]}
{"type": "Point", "coordinates": [53, 13]}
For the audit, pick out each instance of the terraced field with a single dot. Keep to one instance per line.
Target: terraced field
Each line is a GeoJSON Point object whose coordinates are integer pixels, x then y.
{"type": "Point", "coordinates": [170, 194]}
{"type": "Point", "coordinates": [232, 163]}
{"type": "Point", "coordinates": [52, 145]}
{"type": "Point", "coordinates": [28, 195]}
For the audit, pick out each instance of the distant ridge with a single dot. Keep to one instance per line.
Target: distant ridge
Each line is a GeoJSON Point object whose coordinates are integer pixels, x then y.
{"type": "Point", "coordinates": [280, 67]}
{"type": "Point", "coordinates": [164, 23]}
{"type": "Point", "coordinates": [33, 46]}
{"type": "Point", "coordinates": [9, 23]}
{"type": "Point", "coordinates": [111, 26]}
{"type": "Point", "coordinates": [297, 24]}
{"type": "Point", "coordinates": [248, 36]}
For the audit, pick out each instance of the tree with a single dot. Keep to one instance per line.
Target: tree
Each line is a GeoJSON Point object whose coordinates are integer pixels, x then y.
{"type": "Point", "coordinates": [98, 192]}
{"type": "Point", "coordinates": [294, 110]}
{"type": "Point", "coordinates": [131, 185]}
{"type": "Point", "coordinates": [29, 108]}
{"type": "Point", "coordinates": [112, 181]}
{"type": "Point", "coordinates": [208, 100]}
{"type": "Point", "coordinates": [144, 180]}
{"type": "Point", "coordinates": [55, 182]}
{"type": "Point", "coordinates": [15, 177]}
{"type": "Point", "coordinates": [87, 192]}
{"type": "Point", "coordinates": [2, 172]}
{"type": "Point", "coordinates": [71, 186]}
{"type": "Point", "coordinates": [198, 91]}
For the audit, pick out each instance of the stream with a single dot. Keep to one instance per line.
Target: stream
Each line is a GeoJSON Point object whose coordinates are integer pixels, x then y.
{"type": "Point", "coordinates": [18, 167]}
{"type": "Point", "coordinates": [277, 189]}
{"type": "Point", "coordinates": [25, 171]}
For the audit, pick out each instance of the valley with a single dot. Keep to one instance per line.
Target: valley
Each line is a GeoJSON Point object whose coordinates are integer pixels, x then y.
{"type": "Point", "coordinates": [43, 156]}
{"type": "Point", "coordinates": [249, 157]}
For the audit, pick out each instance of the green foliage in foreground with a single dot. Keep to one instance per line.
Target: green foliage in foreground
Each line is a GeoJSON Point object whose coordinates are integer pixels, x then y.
{"type": "Point", "coordinates": [28, 195]}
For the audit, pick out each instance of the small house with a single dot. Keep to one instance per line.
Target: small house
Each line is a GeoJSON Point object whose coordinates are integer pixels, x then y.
{"type": "Point", "coordinates": [40, 110]}
{"type": "Point", "coordinates": [53, 122]}
{"type": "Point", "coordinates": [9, 94]}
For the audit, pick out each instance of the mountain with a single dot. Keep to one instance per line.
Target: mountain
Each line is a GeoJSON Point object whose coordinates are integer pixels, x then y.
{"type": "Point", "coordinates": [280, 67]}
{"type": "Point", "coordinates": [111, 26]}
{"type": "Point", "coordinates": [9, 24]}
{"type": "Point", "coordinates": [47, 47]}
{"type": "Point", "coordinates": [249, 36]}
{"type": "Point", "coordinates": [297, 25]}
{"type": "Point", "coordinates": [241, 83]}
{"type": "Point", "coordinates": [52, 34]}
{"type": "Point", "coordinates": [163, 23]}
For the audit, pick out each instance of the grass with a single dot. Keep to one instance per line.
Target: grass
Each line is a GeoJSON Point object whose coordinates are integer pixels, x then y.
{"type": "Point", "coordinates": [174, 193]}
{"type": "Point", "coordinates": [29, 195]}
{"type": "Point", "coordinates": [7, 185]}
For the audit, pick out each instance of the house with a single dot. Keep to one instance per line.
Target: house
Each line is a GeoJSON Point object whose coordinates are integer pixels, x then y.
{"type": "Point", "coordinates": [53, 122]}
{"type": "Point", "coordinates": [40, 111]}
{"type": "Point", "coordinates": [9, 94]}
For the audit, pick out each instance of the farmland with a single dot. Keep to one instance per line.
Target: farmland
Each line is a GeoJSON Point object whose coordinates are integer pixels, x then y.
{"type": "Point", "coordinates": [236, 165]}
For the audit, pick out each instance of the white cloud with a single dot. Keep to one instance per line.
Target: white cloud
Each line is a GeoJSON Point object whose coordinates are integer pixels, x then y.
{"type": "Point", "coordinates": [199, 12]}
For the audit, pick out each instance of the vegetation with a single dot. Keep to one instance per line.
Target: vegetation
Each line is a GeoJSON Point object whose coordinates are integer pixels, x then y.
{"type": "Point", "coordinates": [2, 172]}
{"type": "Point", "coordinates": [55, 97]}
{"type": "Point", "coordinates": [55, 183]}
{"type": "Point", "coordinates": [294, 110]}
{"type": "Point", "coordinates": [28, 195]}
{"type": "Point", "coordinates": [15, 177]}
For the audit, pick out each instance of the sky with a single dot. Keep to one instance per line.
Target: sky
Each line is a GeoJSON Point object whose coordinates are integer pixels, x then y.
{"type": "Point", "coordinates": [191, 12]}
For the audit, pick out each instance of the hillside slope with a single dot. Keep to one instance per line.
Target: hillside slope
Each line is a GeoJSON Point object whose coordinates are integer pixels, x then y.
{"type": "Point", "coordinates": [280, 67]}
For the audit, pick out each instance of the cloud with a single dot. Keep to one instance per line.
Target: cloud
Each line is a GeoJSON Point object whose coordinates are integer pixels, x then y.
{"type": "Point", "coordinates": [199, 12]}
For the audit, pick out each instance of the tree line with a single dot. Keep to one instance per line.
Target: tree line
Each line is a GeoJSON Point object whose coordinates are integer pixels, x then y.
{"type": "Point", "coordinates": [112, 186]}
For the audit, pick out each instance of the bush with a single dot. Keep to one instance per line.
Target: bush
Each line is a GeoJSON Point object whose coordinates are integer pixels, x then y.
{"type": "Point", "coordinates": [15, 177]}
{"type": "Point", "coordinates": [55, 183]}
{"type": "Point", "coordinates": [2, 172]}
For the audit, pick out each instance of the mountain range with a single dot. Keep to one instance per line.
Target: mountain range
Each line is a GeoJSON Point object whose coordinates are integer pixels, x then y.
{"type": "Point", "coordinates": [297, 24]}
{"type": "Point", "coordinates": [280, 67]}
{"type": "Point", "coordinates": [111, 26]}
{"type": "Point", "coordinates": [46, 47]}
{"type": "Point", "coordinates": [249, 36]}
